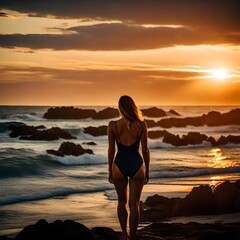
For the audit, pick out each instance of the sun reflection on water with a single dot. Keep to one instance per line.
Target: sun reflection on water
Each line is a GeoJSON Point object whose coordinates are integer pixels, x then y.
{"type": "Point", "coordinates": [218, 160]}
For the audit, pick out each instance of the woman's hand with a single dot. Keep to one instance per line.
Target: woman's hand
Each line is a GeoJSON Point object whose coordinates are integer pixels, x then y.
{"type": "Point", "coordinates": [110, 177]}
{"type": "Point", "coordinates": [146, 178]}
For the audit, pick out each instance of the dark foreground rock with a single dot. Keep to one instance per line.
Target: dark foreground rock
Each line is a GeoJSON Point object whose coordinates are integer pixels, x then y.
{"type": "Point", "coordinates": [70, 230]}
{"type": "Point", "coordinates": [202, 200]}
{"type": "Point", "coordinates": [69, 148]}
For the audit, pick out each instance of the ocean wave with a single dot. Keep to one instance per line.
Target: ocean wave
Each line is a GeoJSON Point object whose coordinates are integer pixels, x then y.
{"type": "Point", "coordinates": [26, 117]}
{"type": "Point", "coordinates": [4, 126]}
{"type": "Point", "coordinates": [20, 163]}
{"type": "Point", "coordinates": [46, 195]}
{"type": "Point", "coordinates": [158, 144]}
{"type": "Point", "coordinates": [194, 172]}
{"type": "Point", "coordinates": [85, 159]}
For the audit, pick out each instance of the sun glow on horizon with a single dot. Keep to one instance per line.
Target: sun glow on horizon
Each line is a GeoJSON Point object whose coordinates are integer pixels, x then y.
{"type": "Point", "coordinates": [219, 74]}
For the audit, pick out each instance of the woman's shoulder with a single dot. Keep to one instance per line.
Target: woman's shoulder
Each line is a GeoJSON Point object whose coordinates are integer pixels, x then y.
{"type": "Point", "coordinates": [112, 123]}
{"type": "Point", "coordinates": [142, 123]}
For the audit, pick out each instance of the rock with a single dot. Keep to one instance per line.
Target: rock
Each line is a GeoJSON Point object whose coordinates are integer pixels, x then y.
{"type": "Point", "coordinates": [229, 139]}
{"type": "Point", "coordinates": [105, 233]}
{"type": "Point", "coordinates": [154, 112]}
{"type": "Point", "coordinates": [107, 113]}
{"type": "Point", "coordinates": [211, 119]}
{"type": "Point", "coordinates": [23, 131]}
{"type": "Point", "coordinates": [96, 131]}
{"type": "Point", "coordinates": [53, 133]}
{"type": "Point", "coordinates": [54, 152]}
{"type": "Point", "coordinates": [58, 230]}
{"type": "Point", "coordinates": [191, 138]}
{"type": "Point", "coordinates": [194, 138]}
{"type": "Point", "coordinates": [5, 126]}
{"type": "Point", "coordinates": [70, 230]}
{"type": "Point", "coordinates": [157, 134]}
{"type": "Point", "coordinates": [227, 197]}
{"type": "Point", "coordinates": [150, 123]}
{"type": "Point", "coordinates": [69, 113]}
{"type": "Point", "coordinates": [175, 140]}
{"type": "Point", "coordinates": [199, 201]}
{"type": "Point", "coordinates": [157, 208]}
{"type": "Point", "coordinates": [89, 143]}
{"type": "Point", "coordinates": [172, 112]}
{"type": "Point", "coordinates": [69, 148]}
{"type": "Point", "coordinates": [212, 141]}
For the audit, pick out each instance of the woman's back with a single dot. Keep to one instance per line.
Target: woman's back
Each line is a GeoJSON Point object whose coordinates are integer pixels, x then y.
{"type": "Point", "coordinates": [126, 136]}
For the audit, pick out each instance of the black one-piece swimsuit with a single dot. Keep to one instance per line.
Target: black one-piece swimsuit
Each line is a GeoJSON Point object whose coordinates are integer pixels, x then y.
{"type": "Point", "coordinates": [128, 158]}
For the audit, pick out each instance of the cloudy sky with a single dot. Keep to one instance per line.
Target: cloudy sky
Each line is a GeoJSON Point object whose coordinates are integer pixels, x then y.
{"type": "Point", "coordinates": [90, 52]}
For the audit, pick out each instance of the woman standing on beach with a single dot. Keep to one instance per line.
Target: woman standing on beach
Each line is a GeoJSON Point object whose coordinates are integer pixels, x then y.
{"type": "Point", "coordinates": [127, 168]}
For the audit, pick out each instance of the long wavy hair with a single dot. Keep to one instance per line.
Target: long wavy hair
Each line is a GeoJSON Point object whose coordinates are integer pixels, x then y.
{"type": "Point", "coordinates": [129, 110]}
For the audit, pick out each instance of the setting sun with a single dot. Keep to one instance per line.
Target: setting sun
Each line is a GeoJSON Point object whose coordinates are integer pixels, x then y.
{"type": "Point", "coordinates": [219, 74]}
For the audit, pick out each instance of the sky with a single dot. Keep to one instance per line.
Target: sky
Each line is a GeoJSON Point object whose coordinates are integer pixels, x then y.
{"type": "Point", "coordinates": [90, 52]}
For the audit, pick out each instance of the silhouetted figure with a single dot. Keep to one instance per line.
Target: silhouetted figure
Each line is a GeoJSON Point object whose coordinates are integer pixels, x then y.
{"type": "Point", "coordinates": [127, 167]}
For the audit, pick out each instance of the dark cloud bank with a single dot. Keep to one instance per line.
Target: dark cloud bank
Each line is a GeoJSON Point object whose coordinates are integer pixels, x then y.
{"type": "Point", "coordinates": [117, 37]}
{"type": "Point", "coordinates": [202, 21]}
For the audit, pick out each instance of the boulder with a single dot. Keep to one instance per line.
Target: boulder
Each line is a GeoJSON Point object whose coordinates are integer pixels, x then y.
{"type": "Point", "coordinates": [58, 230]}
{"type": "Point", "coordinates": [154, 112]}
{"type": "Point", "coordinates": [150, 123]}
{"type": "Point", "coordinates": [53, 133]}
{"type": "Point", "coordinates": [96, 131]}
{"type": "Point", "coordinates": [157, 134]}
{"type": "Point", "coordinates": [175, 140]}
{"type": "Point", "coordinates": [69, 113]}
{"type": "Point", "coordinates": [229, 139]}
{"type": "Point", "coordinates": [199, 201]}
{"type": "Point", "coordinates": [23, 131]}
{"type": "Point", "coordinates": [191, 138]}
{"type": "Point", "coordinates": [107, 113]}
{"type": "Point", "coordinates": [69, 148]}
{"type": "Point", "coordinates": [172, 112]}
{"type": "Point", "coordinates": [211, 119]}
{"type": "Point", "coordinates": [227, 197]}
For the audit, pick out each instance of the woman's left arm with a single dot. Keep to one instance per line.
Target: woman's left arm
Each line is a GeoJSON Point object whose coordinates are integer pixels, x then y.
{"type": "Point", "coordinates": [111, 149]}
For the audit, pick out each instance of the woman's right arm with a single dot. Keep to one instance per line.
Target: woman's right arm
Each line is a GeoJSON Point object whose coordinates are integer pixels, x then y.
{"type": "Point", "coordinates": [145, 151]}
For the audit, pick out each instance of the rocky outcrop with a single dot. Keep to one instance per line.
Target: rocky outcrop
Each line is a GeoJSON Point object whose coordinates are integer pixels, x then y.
{"type": "Point", "coordinates": [202, 200]}
{"type": "Point", "coordinates": [157, 134]}
{"type": "Point", "coordinates": [150, 123]}
{"type": "Point", "coordinates": [69, 148]}
{"type": "Point", "coordinates": [229, 139]}
{"type": "Point", "coordinates": [70, 230]}
{"type": "Point", "coordinates": [53, 133]}
{"type": "Point", "coordinates": [96, 131]}
{"type": "Point", "coordinates": [6, 126]}
{"type": "Point", "coordinates": [153, 112]}
{"type": "Point", "coordinates": [23, 131]}
{"type": "Point", "coordinates": [211, 119]}
{"type": "Point", "coordinates": [107, 113]}
{"type": "Point", "coordinates": [191, 138]}
{"type": "Point", "coordinates": [69, 113]}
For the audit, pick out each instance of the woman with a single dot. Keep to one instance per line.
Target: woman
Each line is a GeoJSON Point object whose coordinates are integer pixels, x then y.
{"type": "Point", "coordinates": [127, 167]}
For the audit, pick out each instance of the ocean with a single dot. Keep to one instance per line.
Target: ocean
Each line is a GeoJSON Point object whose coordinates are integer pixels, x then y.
{"type": "Point", "coordinates": [36, 185]}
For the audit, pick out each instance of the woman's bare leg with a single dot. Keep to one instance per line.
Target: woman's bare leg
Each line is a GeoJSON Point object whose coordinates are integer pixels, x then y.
{"type": "Point", "coordinates": [120, 183]}
{"type": "Point", "coordinates": [135, 190]}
